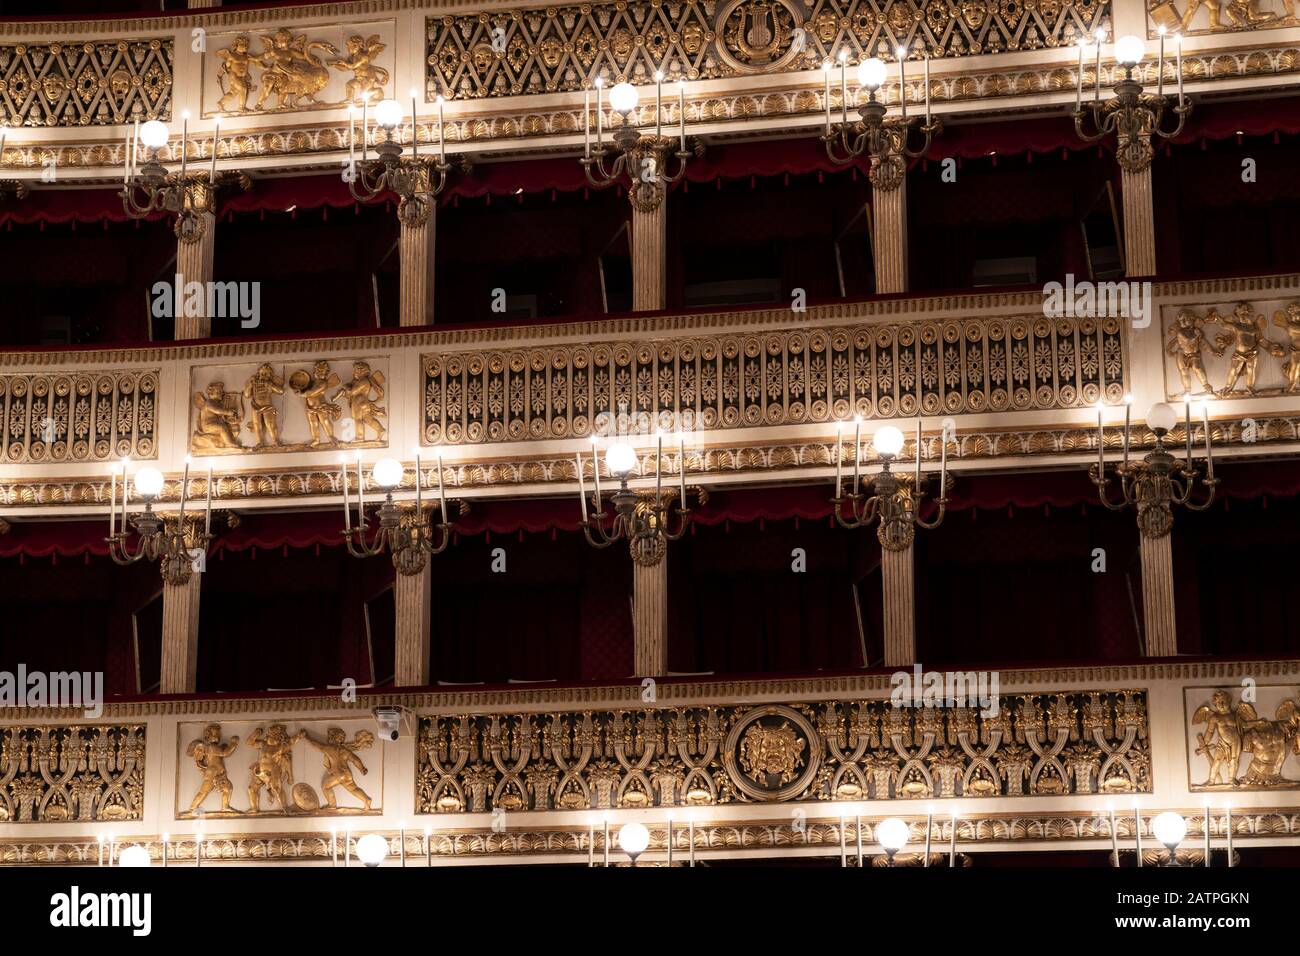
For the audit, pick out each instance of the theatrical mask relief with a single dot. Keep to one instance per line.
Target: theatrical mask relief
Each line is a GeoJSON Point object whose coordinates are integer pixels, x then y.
{"type": "Point", "coordinates": [1233, 350]}
{"type": "Point", "coordinates": [1244, 737]}
{"type": "Point", "coordinates": [288, 69]}
{"type": "Point", "coordinates": [242, 769]}
{"type": "Point", "coordinates": [1079, 742]}
{"type": "Point", "coordinates": [312, 406]}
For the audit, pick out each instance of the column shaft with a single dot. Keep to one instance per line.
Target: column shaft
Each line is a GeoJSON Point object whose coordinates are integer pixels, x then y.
{"type": "Point", "coordinates": [1139, 223]}
{"type": "Point", "coordinates": [1158, 596]}
{"type": "Point", "coordinates": [896, 569]}
{"type": "Point", "coordinates": [194, 264]}
{"type": "Point", "coordinates": [417, 264]}
{"type": "Point", "coordinates": [650, 257]}
{"type": "Point", "coordinates": [650, 618]}
{"type": "Point", "coordinates": [180, 649]}
{"type": "Point", "coordinates": [889, 237]}
{"type": "Point", "coordinates": [412, 599]}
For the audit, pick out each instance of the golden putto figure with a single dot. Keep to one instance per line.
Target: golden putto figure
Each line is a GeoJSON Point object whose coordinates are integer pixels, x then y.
{"type": "Point", "coordinates": [365, 407]}
{"type": "Point", "coordinates": [1245, 333]}
{"type": "Point", "coordinates": [209, 755]}
{"type": "Point", "coordinates": [273, 769]}
{"type": "Point", "coordinates": [260, 391]}
{"type": "Point", "coordinates": [1186, 344]}
{"type": "Point", "coordinates": [339, 757]}
{"type": "Point", "coordinates": [219, 416]}
{"type": "Point", "coordinates": [235, 76]}
{"type": "Point", "coordinates": [1288, 320]}
{"type": "Point", "coordinates": [1233, 731]}
{"type": "Point", "coordinates": [368, 80]}
{"type": "Point", "coordinates": [291, 70]}
{"type": "Point", "coordinates": [321, 413]}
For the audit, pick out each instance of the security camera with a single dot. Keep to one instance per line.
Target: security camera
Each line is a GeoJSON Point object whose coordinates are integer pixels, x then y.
{"type": "Point", "coordinates": [389, 720]}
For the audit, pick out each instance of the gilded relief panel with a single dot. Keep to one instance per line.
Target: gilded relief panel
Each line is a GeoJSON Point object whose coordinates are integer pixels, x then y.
{"type": "Point", "coordinates": [78, 416]}
{"type": "Point", "coordinates": [74, 773]}
{"type": "Point", "coordinates": [1243, 737]}
{"type": "Point", "coordinates": [788, 377]}
{"type": "Point", "coordinates": [1080, 742]}
{"type": "Point", "coordinates": [1211, 16]}
{"type": "Point", "coordinates": [104, 83]}
{"type": "Point", "coordinates": [563, 49]}
{"type": "Point", "coordinates": [289, 70]}
{"type": "Point", "coordinates": [237, 769]}
{"type": "Point", "coordinates": [273, 407]}
{"type": "Point", "coordinates": [1233, 349]}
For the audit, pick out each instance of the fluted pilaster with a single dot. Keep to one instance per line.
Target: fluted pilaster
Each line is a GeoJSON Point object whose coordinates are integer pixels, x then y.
{"type": "Point", "coordinates": [650, 618]}
{"type": "Point", "coordinates": [1139, 223]}
{"type": "Point", "coordinates": [194, 264]}
{"type": "Point", "coordinates": [649, 257]}
{"type": "Point", "coordinates": [1158, 596]}
{"type": "Point", "coordinates": [889, 237]}
{"type": "Point", "coordinates": [417, 265]}
{"type": "Point", "coordinates": [180, 647]}
{"type": "Point", "coordinates": [412, 599]}
{"type": "Point", "coordinates": [897, 570]}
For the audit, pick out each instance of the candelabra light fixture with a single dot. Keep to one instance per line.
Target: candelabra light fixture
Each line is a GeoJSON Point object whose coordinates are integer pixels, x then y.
{"type": "Point", "coordinates": [642, 159]}
{"type": "Point", "coordinates": [175, 543]}
{"type": "Point", "coordinates": [886, 140]}
{"type": "Point", "coordinates": [647, 522]}
{"type": "Point", "coordinates": [1132, 115]}
{"type": "Point", "coordinates": [10, 188]}
{"type": "Point", "coordinates": [148, 187]}
{"type": "Point", "coordinates": [1159, 481]}
{"type": "Point", "coordinates": [895, 499]}
{"type": "Point", "coordinates": [408, 535]}
{"type": "Point", "coordinates": [416, 180]}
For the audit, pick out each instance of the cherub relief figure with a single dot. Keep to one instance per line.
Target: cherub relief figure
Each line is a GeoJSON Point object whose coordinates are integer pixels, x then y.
{"type": "Point", "coordinates": [291, 71]}
{"type": "Point", "coordinates": [1288, 319]}
{"type": "Point", "coordinates": [1221, 742]}
{"type": "Point", "coordinates": [210, 755]}
{"type": "Point", "coordinates": [220, 414]}
{"type": "Point", "coordinates": [1232, 731]}
{"type": "Point", "coordinates": [235, 76]}
{"type": "Point", "coordinates": [366, 410]}
{"type": "Point", "coordinates": [1186, 344]}
{"type": "Point", "coordinates": [261, 391]}
{"type": "Point", "coordinates": [339, 757]}
{"type": "Point", "coordinates": [1245, 332]}
{"type": "Point", "coordinates": [368, 81]}
{"type": "Point", "coordinates": [321, 414]}
{"type": "Point", "coordinates": [273, 768]}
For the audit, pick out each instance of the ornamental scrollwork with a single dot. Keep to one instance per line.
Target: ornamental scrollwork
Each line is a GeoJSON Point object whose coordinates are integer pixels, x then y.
{"type": "Point", "coordinates": [1036, 745]}
{"type": "Point", "coordinates": [78, 416]}
{"type": "Point", "coordinates": [104, 83]}
{"type": "Point", "coordinates": [564, 49]}
{"type": "Point", "coordinates": [82, 773]}
{"type": "Point", "coordinates": [938, 367]}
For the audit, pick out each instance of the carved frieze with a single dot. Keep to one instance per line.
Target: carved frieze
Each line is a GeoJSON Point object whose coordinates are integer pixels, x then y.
{"type": "Point", "coordinates": [100, 83]}
{"type": "Point", "coordinates": [1212, 16]}
{"type": "Point", "coordinates": [1244, 737]}
{"type": "Point", "coordinates": [285, 70]}
{"type": "Point", "coordinates": [779, 378]}
{"type": "Point", "coordinates": [246, 769]}
{"type": "Point", "coordinates": [1074, 742]}
{"type": "Point", "coordinates": [1244, 349]}
{"type": "Point", "coordinates": [305, 406]}
{"type": "Point", "coordinates": [562, 49]}
{"type": "Point", "coordinates": [73, 773]}
{"type": "Point", "coordinates": [78, 416]}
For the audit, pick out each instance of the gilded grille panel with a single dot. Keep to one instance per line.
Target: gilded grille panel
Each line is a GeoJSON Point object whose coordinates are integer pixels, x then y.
{"type": "Point", "coordinates": [78, 416]}
{"type": "Point", "coordinates": [793, 377]}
